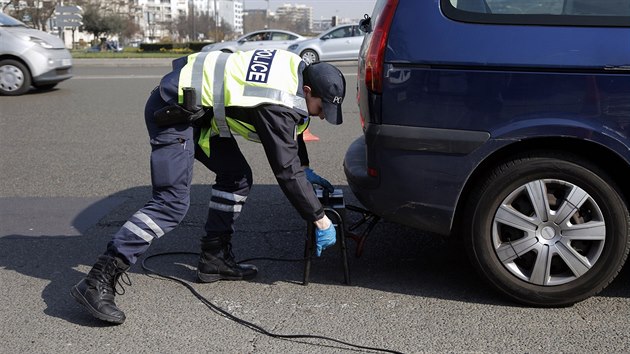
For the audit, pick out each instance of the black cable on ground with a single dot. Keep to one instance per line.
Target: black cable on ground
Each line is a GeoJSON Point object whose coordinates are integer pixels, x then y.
{"type": "Point", "coordinates": [250, 325]}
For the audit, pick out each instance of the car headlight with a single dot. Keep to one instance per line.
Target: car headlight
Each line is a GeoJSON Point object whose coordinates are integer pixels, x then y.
{"type": "Point", "coordinates": [293, 46]}
{"type": "Point", "coordinates": [40, 42]}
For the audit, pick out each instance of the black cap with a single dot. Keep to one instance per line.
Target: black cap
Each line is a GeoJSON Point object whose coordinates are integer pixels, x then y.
{"type": "Point", "coordinates": [327, 82]}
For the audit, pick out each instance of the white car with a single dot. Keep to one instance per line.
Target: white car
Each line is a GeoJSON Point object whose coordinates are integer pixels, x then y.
{"type": "Point", "coordinates": [339, 43]}
{"type": "Point", "coordinates": [30, 57]}
{"type": "Point", "coordinates": [263, 39]}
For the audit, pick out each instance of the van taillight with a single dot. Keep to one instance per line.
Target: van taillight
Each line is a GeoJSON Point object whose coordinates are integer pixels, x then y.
{"type": "Point", "coordinates": [376, 51]}
{"type": "Point", "coordinates": [362, 120]}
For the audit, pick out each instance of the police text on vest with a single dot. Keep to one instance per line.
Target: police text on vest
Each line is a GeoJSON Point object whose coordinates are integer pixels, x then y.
{"type": "Point", "coordinates": [258, 70]}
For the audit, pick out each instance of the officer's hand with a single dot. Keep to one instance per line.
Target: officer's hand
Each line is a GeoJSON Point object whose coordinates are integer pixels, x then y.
{"type": "Point", "coordinates": [314, 178]}
{"type": "Point", "coordinates": [325, 238]}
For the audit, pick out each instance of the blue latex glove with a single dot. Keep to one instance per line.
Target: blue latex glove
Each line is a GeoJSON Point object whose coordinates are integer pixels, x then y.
{"type": "Point", "coordinates": [325, 238]}
{"type": "Point", "coordinates": [314, 178]}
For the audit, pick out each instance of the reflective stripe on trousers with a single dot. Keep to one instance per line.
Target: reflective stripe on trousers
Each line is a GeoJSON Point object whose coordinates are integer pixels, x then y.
{"type": "Point", "coordinates": [173, 151]}
{"type": "Point", "coordinates": [172, 157]}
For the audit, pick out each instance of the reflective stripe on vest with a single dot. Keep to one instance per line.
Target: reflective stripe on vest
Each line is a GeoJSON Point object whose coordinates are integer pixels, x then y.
{"type": "Point", "coordinates": [201, 70]}
{"type": "Point", "coordinates": [218, 96]}
{"type": "Point", "coordinates": [243, 79]}
{"type": "Point", "coordinates": [276, 95]}
{"type": "Point", "coordinates": [243, 129]}
{"type": "Point", "coordinates": [196, 81]}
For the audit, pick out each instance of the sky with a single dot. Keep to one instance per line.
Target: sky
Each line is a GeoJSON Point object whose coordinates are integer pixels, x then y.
{"type": "Point", "coordinates": [321, 8]}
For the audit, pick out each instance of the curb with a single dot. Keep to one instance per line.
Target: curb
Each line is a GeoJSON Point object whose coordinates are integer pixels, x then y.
{"type": "Point", "coordinates": [126, 62]}
{"type": "Point", "coordinates": [154, 62]}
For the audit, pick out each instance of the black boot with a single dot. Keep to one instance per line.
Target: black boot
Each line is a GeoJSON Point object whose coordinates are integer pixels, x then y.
{"type": "Point", "coordinates": [217, 262]}
{"type": "Point", "coordinates": [97, 290]}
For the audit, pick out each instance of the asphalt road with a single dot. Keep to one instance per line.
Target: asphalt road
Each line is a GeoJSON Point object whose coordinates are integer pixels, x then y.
{"type": "Point", "coordinates": [74, 167]}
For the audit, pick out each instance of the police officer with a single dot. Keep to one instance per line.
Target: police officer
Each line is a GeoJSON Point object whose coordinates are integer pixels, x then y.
{"type": "Point", "coordinates": [263, 95]}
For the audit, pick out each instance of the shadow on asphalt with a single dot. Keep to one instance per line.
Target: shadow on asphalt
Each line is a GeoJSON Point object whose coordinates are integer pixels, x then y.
{"type": "Point", "coordinates": [395, 259]}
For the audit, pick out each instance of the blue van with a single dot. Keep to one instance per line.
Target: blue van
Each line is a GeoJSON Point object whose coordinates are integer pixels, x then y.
{"type": "Point", "coordinates": [504, 124]}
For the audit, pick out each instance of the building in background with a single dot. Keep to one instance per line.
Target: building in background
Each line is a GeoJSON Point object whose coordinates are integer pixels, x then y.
{"type": "Point", "coordinates": [158, 16]}
{"type": "Point", "coordinates": [156, 20]}
{"type": "Point", "coordinates": [231, 12]}
{"type": "Point", "coordinates": [206, 6]}
{"type": "Point", "coordinates": [299, 16]}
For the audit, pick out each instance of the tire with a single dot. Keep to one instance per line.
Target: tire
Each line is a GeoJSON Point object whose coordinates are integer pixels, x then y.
{"type": "Point", "coordinates": [309, 56]}
{"type": "Point", "coordinates": [45, 87]}
{"type": "Point", "coordinates": [548, 230]}
{"type": "Point", "coordinates": [15, 79]}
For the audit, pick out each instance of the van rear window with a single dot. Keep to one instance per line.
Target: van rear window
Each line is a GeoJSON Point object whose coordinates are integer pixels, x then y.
{"type": "Point", "coordinates": [605, 13]}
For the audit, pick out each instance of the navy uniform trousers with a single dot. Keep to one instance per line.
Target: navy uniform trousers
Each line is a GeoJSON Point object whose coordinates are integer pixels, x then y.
{"type": "Point", "coordinates": [173, 153]}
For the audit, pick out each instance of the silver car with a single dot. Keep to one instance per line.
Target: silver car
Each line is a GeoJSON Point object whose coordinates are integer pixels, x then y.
{"type": "Point", "coordinates": [263, 39]}
{"type": "Point", "coordinates": [339, 43]}
{"type": "Point", "coordinates": [30, 57]}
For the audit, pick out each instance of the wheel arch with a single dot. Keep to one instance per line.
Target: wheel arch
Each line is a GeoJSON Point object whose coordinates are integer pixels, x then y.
{"type": "Point", "coordinates": [603, 157]}
{"type": "Point", "coordinates": [16, 58]}
{"type": "Point", "coordinates": [312, 49]}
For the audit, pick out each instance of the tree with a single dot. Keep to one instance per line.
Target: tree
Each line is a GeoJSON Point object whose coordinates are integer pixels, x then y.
{"type": "Point", "coordinates": [113, 24]}
{"type": "Point", "coordinates": [98, 24]}
{"type": "Point", "coordinates": [113, 21]}
{"type": "Point", "coordinates": [191, 26]}
{"type": "Point", "coordinates": [120, 19]}
{"type": "Point", "coordinates": [254, 21]}
{"type": "Point", "coordinates": [301, 26]}
{"type": "Point", "coordinates": [36, 12]}
{"type": "Point", "coordinates": [224, 31]}
{"type": "Point", "coordinates": [93, 21]}
{"type": "Point", "coordinates": [130, 28]}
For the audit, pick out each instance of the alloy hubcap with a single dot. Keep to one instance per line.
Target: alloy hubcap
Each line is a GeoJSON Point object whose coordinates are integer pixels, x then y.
{"type": "Point", "coordinates": [548, 232]}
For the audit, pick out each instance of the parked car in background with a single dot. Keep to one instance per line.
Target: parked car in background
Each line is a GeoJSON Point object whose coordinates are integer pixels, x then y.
{"type": "Point", "coordinates": [339, 43]}
{"type": "Point", "coordinates": [30, 57]}
{"type": "Point", "coordinates": [109, 46]}
{"type": "Point", "coordinates": [263, 39]}
{"type": "Point", "coordinates": [504, 124]}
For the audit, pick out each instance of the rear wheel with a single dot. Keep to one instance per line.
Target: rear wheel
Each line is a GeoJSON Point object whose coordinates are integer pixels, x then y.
{"type": "Point", "coordinates": [15, 79]}
{"type": "Point", "coordinates": [548, 230]}
{"type": "Point", "coordinates": [309, 56]}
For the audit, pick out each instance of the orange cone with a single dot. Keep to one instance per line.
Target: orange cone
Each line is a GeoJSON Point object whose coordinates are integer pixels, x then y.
{"type": "Point", "coordinates": [308, 136]}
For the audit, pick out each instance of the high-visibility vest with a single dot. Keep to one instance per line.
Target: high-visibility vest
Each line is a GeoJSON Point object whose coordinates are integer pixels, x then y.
{"type": "Point", "coordinates": [242, 79]}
